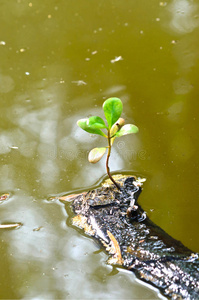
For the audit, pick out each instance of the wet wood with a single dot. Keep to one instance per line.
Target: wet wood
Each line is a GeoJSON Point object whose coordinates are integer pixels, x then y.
{"type": "Point", "coordinates": [115, 219]}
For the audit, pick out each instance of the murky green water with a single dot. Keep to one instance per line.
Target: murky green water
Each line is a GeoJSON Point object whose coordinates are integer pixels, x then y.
{"type": "Point", "coordinates": [59, 61]}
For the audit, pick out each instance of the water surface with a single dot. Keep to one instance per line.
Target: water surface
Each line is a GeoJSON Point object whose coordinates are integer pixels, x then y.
{"type": "Point", "coordinates": [59, 61]}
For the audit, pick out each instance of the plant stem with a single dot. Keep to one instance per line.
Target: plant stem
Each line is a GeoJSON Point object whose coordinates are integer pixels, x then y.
{"type": "Point", "coordinates": [107, 161]}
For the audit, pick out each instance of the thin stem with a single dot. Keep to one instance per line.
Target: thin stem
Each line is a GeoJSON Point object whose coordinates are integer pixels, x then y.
{"type": "Point", "coordinates": [107, 161]}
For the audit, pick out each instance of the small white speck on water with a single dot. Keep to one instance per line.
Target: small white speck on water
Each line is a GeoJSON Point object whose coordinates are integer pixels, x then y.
{"type": "Point", "coordinates": [116, 59]}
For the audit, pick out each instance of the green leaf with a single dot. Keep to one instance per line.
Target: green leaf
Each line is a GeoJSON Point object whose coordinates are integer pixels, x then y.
{"type": "Point", "coordinates": [127, 129]}
{"type": "Point", "coordinates": [85, 125]}
{"type": "Point", "coordinates": [96, 122]}
{"type": "Point", "coordinates": [112, 110]}
{"type": "Point", "coordinates": [96, 154]}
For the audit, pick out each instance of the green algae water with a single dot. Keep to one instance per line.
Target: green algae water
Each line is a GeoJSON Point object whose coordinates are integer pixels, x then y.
{"type": "Point", "coordinates": [59, 61]}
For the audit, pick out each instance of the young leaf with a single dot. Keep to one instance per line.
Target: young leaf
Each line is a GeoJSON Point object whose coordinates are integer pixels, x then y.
{"type": "Point", "coordinates": [127, 129]}
{"type": "Point", "coordinates": [96, 122]}
{"type": "Point", "coordinates": [84, 124]}
{"type": "Point", "coordinates": [96, 154]}
{"type": "Point", "coordinates": [112, 110]}
{"type": "Point", "coordinates": [117, 126]}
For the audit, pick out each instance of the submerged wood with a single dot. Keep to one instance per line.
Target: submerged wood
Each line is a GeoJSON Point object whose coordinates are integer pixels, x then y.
{"type": "Point", "coordinates": [133, 241]}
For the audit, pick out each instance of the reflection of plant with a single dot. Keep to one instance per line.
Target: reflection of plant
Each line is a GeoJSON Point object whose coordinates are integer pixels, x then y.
{"type": "Point", "coordinates": [112, 110]}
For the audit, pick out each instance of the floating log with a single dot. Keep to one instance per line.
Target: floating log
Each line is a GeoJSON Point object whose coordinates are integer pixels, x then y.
{"type": "Point", "coordinates": [119, 224]}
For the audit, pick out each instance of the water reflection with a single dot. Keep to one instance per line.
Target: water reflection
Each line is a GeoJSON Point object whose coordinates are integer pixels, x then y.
{"type": "Point", "coordinates": [7, 84]}
{"type": "Point", "coordinates": [184, 21]}
{"type": "Point", "coordinates": [46, 139]}
{"type": "Point", "coordinates": [7, 182]}
{"type": "Point", "coordinates": [56, 68]}
{"type": "Point", "coordinates": [184, 15]}
{"type": "Point", "coordinates": [49, 263]}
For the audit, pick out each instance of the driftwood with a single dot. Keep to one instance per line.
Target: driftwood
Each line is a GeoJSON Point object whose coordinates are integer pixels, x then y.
{"type": "Point", "coordinates": [120, 225]}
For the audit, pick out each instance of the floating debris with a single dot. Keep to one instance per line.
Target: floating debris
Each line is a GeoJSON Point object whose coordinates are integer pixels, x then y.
{"type": "Point", "coordinates": [38, 228]}
{"type": "Point", "coordinates": [4, 197]}
{"type": "Point", "coordinates": [116, 59]}
{"type": "Point", "coordinates": [7, 226]}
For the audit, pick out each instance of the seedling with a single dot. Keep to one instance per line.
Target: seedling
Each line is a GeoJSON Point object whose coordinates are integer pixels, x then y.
{"type": "Point", "coordinates": [115, 128]}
